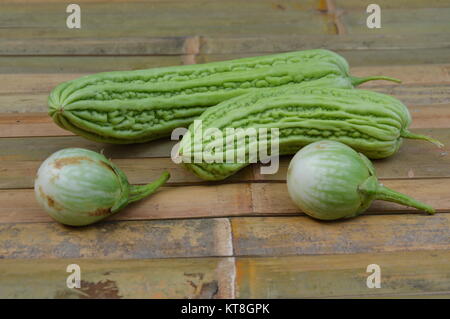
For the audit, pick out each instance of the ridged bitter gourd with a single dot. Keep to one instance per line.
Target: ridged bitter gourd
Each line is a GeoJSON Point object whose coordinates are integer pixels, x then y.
{"type": "Point", "coordinates": [138, 106]}
{"type": "Point", "coordinates": [371, 123]}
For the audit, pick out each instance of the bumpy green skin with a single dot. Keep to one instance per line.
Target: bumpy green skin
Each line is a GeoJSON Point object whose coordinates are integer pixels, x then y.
{"type": "Point", "coordinates": [329, 180]}
{"type": "Point", "coordinates": [138, 106]}
{"type": "Point", "coordinates": [369, 122]}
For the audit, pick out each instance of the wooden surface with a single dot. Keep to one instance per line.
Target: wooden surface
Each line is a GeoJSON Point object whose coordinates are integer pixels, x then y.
{"type": "Point", "coordinates": [242, 238]}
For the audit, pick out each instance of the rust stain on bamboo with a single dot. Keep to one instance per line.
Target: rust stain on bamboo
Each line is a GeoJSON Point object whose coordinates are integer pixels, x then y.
{"type": "Point", "coordinates": [322, 6]}
{"type": "Point", "coordinates": [208, 290]}
{"type": "Point", "coordinates": [144, 239]}
{"type": "Point", "coordinates": [103, 289]}
{"type": "Point", "coordinates": [278, 6]}
{"type": "Point", "coordinates": [202, 290]}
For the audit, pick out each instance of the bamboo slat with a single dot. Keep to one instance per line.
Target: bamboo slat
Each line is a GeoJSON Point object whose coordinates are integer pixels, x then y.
{"type": "Point", "coordinates": [117, 240]}
{"type": "Point", "coordinates": [164, 19]}
{"type": "Point", "coordinates": [414, 160]}
{"type": "Point", "coordinates": [86, 64]}
{"type": "Point", "coordinates": [410, 94]}
{"type": "Point", "coordinates": [219, 44]}
{"type": "Point", "coordinates": [21, 174]}
{"type": "Point", "coordinates": [282, 236]}
{"type": "Point", "coordinates": [399, 21]}
{"type": "Point", "coordinates": [404, 274]}
{"type": "Point", "coordinates": [26, 83]}
{"type": "Point", "coordinates": [39, 148]}
{"type": "Point", "coordinates": [168, 202]}
{"type": "Point", "coordinates": [99, 46]}
{"type": "Point", "coordinates": [39, 124]}
{"type": "Point", "coordinates": [251, 236]}
{"type": "Point", "coordinates": [189, 278]}
{"type": "Point", "coordinates": [273, 197]}
{"type": "Point", "coordinates": [387, 4]}
{"type": "Point", "coordinates": [385, 56]}
{"type": "Point", "coordinates": [240, 199]}
{"type": "Point", "coordinates": [366, 44]}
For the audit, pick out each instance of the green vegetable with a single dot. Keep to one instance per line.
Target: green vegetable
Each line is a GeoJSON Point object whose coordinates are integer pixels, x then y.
{"type": "Point", "coordinates": [79, 187]}
{"type": "Point", "coordinates": [138, 106]}
{"type": "Point", "coordinates": [372, 123]}
{"type": "Point", "coordinates": [329, 180]}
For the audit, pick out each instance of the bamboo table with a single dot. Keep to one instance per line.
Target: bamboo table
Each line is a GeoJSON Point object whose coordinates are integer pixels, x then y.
{"type": "Point", "coordinates": [242, 238]}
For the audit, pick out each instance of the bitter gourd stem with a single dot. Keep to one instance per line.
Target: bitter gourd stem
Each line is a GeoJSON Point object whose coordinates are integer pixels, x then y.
{"type": "Point", "coordinates": [357, 81]}
{"type": "Point", "coordinates": [373, 188]}
{"type": "Point", "coordinates": [407, 134]}
{"type": "Point", "coordinates": [138, 192]}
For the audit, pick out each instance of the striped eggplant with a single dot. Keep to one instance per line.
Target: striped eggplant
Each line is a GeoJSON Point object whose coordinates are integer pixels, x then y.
{"type": "Point", "coordinates": [79, 187]}
{"type": "Point", "coordinates": [329, 180]}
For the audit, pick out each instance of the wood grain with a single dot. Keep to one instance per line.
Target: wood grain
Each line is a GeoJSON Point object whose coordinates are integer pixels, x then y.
{"type": "Point", "coordinates": [423, 160]}
{"type": "Point", "coordinates": [168, 202]}
{"type": "Point", "coordinates": [24, 103]}
{"type": "Point", "coordinates": [27, 89]}
{"type": "Point", "coordinates": [220, 44]}
{"type": "Point", "coordinates": [396, 57]}
{"type": "Point", "coordinates": [269, 198]}
{"type": "Point", "coordinates": [21, 174]}
{"type": "Point", "coordinates": [252, 236]}
{"type": "Point", "coordinates": [39, 124]}
{"type": "Point", "coordinates": [403, 274]}
{"type": "Point", "coordinates": [190, 278]}
{"type": "Point", "coordinates": [85, 64]}
{"type": "Point", "coordinates": [388, 4]}
{"type": "Point", "coordinates": [242, 238]}
{"type": "Point", "coordinates": [413, 160]}
{"type": "Point", "coordinates": [407, 274]}
{"type": "Point", "coordinates": [409, 74]}
{"type": "Point", "coordinates": [101, 46]}
{"type": "Point", "coordinates": [416, 94]}
{"type": "Point", "coordinates": [366, 44]}
{"type": "Point", "coordinates": [241, 199]}
{"type": "Point", "coordinates": [164, 19]}
{"type": "Point", "coordinates": [39, 148]}
{"type": "Point", "coordinates": [117, 240]}
{"type": "Point", "coordinates": [400, 21]}
{"type": "Point", "coordinates": [29, 124]}
{"type": "Point", "coordinates": [364, 57]}
{"type": "Point", "coordinates": [34, 82]}
{"type": "Point", "coordinates": [282, 236]}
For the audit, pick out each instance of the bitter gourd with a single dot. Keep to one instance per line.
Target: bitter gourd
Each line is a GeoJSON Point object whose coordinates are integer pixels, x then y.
{"type": "Point", "coordinates": [138, 106]}
{"type": "Point", "coordinates": [371, 123]}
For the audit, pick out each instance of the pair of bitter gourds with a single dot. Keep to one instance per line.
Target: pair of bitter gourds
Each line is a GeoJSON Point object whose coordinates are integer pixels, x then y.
{"type": "Point", "coordinates": [304, 94]}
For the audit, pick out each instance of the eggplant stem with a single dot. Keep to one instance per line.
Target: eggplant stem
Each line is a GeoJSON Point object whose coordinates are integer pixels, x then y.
{"type": "Point", "coordinates": [373, 188]}
{"type": "Point", "coordinates": [138, 192]}
{"type": "Point", "coordinates": [357, 80]}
